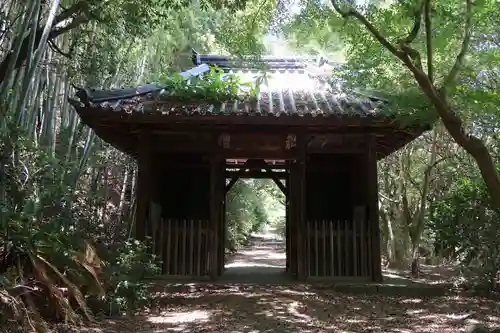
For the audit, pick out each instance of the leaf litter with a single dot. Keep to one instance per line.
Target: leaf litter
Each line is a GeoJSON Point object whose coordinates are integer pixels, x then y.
{"type": "Point", "coordinates": [253, 308]}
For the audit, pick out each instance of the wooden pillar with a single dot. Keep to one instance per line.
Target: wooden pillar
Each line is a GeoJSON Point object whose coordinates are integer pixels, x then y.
{"type": "Point", "coordinates": [143, 194]}
{"type": "Point", "coordinates": [291, 221]}
{"type": "Point", "coordinates": [373, 213]}
{"type": "Point", "coordinates": [222, 229]}
{"type": "Point", "coordinates": [287, 225]}
{"type": "Point", "coordinates": [217, 190]}
{"type": "Point", "coordinates": [298, 196]}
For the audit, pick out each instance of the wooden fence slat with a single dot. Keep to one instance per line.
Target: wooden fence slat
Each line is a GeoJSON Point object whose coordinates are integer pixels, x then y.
{"type": "Point", "coordinates": [198, 254]}
{"type": "Point", "coordinates": [354, 247]}
{"type": "Point", "coordinates": [332, 252]}
{"type": "Point", "coordinates": [161, 246]}
{"type": "Point", "coordinates": [346, 248]}
{"type": "Point", "coordinates": [339, 248]}
{"type": "Point", "coordinates": [183, 256]}
{"type": "Point", "coordinates": [316, 248]}
{"type": "Point", "coordinates": [168, 245]}
{"type": "Point", "coordinates": [176, 227]}
{"type": "Point", "coordinates": [325, 258]}
{"type": "Point", "coordinates": [191, 247]}
{"type": "Point", "coordinates": [369, 247]}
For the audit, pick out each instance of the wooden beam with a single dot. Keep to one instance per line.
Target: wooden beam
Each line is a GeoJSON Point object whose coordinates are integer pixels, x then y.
{"type": "Point", "coordinates": [293, 122]}
{"type": "Point", "coordinates": [257, 174]}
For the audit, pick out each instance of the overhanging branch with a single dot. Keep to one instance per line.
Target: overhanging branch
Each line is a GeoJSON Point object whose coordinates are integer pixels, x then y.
{"type": "Point", "coordinates": [351, 12]}
{"type": "Point", "coordinates": [417, 22]}
{"type": "Point", "coordinates": [428, 37]}
{"type": "Point", "coordinates": [451, 78]}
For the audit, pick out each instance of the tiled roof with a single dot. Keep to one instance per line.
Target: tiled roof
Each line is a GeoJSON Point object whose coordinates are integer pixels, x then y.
{"type": "Point", "coordinates": [287, 90]}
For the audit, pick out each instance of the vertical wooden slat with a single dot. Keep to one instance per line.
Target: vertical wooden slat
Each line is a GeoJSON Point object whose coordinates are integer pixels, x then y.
{"type": "Point", "coordinates": [191, 247]}
{"type": "Point", "coordinates": [354, 244]}
{"type": "Point", "coordinates": [369, 248]}
{"type": "Point", "coordinates": [345, 248]}
{"type": "Point", "coordinates": [184, 256]}
{"type": "Point", "coordinates": [359, 218]}
{"type": "Point", "coordinates": [338, 247]}
{"type": "Point", "coordinates": [373, 214]}
{"type": "Point", "coordinates": [199, 256]}
{"type": "Point", "coordinates": [153, 222]}
{"type": "Point", "coordinates": [161, 249]}
{"type": "Point", "coordinates": [168, 242]}
{"type": "Point", "coordinates": [332, 251]}
{"type": "Point", "coordinates": [175, 234]}
{"type": "Point", "coordinates": [316, 247]}
{"type": "Point", "coordinates": [324, 235]}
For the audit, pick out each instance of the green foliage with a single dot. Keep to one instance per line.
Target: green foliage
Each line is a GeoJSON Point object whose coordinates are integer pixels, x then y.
{"type": "Point", "coordinates": [127, 266]}
{"type": "Point", "coordinates": [370, 66]}
{"type": "Point", "coordinates": [214, 86]}
{"type": "Point", "coordinates": [51, 242]}
{"type": "Point", "coordinates": [467, 227]}
{"type": "Point", "coordinates": [245, 213]}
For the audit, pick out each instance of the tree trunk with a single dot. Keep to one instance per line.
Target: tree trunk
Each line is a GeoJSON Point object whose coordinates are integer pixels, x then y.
{"type": "Point", "coordinates": [471, 144]}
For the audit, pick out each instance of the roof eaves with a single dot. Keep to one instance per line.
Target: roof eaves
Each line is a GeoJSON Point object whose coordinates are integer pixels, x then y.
{"type": "Point", "coordinates": [99, 96]}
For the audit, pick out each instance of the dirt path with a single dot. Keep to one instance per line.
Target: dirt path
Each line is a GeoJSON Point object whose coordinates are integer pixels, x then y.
{"type": "Point", "coordinates": [263, 260]}
{"type": "Point", "coordinates": [233, 305]}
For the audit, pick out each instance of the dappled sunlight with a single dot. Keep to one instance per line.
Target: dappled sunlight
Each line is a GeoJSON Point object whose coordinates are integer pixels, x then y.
{"type": "Point", "coordinates": [264, 258]}
{"type": "Point", "coordinates": [251, 264]}
{"type": "Point", "coordinates": [233, 307]}
{"type": "Point", "coordinates": [285, 306]}
{"type": "Point", "coordinates": [181, 317]}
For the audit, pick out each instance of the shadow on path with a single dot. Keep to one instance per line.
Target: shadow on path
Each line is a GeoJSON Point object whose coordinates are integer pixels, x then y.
{"type": "Point", "coordinates": [262, 260]}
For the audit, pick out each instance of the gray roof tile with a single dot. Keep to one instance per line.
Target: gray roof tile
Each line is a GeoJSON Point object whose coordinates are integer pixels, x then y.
{"type": "Point", "coordinates": [290, 92]}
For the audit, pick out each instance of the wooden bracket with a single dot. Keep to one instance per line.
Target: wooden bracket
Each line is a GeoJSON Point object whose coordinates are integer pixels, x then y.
{"type": "Point", "coordinates": [290, 142]}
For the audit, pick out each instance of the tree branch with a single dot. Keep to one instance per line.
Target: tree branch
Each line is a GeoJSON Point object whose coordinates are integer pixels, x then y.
{"type": "Point", "coordinates": [351, 12]}
{"type": "Point", "coordinates": [57, 49]}
{"type": "Point", "coordinates": [75, 23]}
{"type": "Point", "coordinates": [80, 6]}
{"type": "Point", "coordinates": [460, 60]}
{"type": "Point", "coordinates": [428, 37]}
{"type": "Point", "coordinates": [23, 54]}
{"type": "Point", "coordinates": [417, 22]}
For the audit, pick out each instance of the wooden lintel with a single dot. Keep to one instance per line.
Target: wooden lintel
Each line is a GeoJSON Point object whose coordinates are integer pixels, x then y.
{"type": "Point", "coordinates": [265, 155]}
{"type": "Point", "coordinates": [274, 167]}
{"type": "Point", "coordinates": [258, 174]}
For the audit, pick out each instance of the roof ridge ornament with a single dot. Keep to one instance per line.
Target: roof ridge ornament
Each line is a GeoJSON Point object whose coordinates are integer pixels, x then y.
{"type": "Point", "coordinates": [251, 62]}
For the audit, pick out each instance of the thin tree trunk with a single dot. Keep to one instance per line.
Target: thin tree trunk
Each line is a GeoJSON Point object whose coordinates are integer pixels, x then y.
{"type": "Point", "coordinates": [417, 226]}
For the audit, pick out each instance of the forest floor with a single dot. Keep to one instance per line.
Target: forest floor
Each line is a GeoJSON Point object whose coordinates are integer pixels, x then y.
{"type": "Point", "coordinates": [235, 305]}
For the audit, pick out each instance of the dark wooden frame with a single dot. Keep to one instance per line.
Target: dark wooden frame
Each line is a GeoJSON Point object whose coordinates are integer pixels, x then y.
{"type": "Point", "coordinates": [248, 141]}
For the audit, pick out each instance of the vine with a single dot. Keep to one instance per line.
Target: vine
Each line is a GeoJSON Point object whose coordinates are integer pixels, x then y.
{"type": "Point", "coordinates": [214, 86]}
